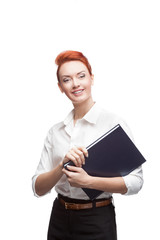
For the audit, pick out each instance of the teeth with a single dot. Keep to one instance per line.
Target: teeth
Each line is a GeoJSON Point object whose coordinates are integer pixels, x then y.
{"type": "Point", "coordinates": [78, 91]}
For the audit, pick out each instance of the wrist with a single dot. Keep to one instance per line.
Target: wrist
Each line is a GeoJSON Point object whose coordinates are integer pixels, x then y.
{"type": "Point", "coordinates": [90, 182]}
{"type": "Point", "coordinates": [61, 165]}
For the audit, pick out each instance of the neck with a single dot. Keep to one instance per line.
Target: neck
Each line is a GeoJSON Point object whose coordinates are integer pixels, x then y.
{"type": "Point", "coordinates": [81, 109]}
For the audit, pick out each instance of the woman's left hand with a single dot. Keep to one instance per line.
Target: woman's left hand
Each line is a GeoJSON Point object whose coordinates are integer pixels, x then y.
{"type": "Point", "coordinates": [77, 177]}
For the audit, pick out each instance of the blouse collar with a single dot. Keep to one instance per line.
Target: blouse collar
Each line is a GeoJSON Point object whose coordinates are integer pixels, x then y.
{"type": "Point", "coordinates": [91, 116]}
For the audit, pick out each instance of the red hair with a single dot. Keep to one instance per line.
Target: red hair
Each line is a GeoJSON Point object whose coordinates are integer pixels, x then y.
{"type": "Point", "coordinates": [67, 56]}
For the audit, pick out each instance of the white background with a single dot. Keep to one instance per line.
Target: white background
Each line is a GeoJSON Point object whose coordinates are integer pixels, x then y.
{"type": "Point", "coordinates": [122, 42]}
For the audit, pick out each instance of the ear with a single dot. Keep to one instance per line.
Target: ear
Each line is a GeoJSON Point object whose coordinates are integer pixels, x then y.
{"type": "Point", "coordinates": [60, 87]}
{"type": "Point", "coordinates": [92, 79]}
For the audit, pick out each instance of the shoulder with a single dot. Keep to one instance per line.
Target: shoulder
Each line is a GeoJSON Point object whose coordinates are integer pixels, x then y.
{"type": "Point", "coordinates": [55, 128]}
{"type": "Point", "coordinates": [112, 119]}
{"type": "Point", "coordinates": [104, 113]}
{"type": "Point", "coordinates": [109, 116]}
{"type": "Point", "coordinates": [53, 132]}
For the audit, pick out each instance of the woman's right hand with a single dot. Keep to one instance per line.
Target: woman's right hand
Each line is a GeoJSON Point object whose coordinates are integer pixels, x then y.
{"type": "Point", "coordinates": [76, 155]}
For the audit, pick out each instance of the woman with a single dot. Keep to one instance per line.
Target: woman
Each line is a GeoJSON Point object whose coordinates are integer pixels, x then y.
{"type": "Point", "coordinates": [73, 215]}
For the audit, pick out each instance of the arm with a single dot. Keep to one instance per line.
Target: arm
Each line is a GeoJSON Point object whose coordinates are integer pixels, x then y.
{"type": "Point", "coordinates": [77, 177]}
{"type": "Point", "coordinates": [46, 181]}
{"type": "Point", "coordinates": [112, 185]}
{"type": "Point", "coordinates": [130, 184]}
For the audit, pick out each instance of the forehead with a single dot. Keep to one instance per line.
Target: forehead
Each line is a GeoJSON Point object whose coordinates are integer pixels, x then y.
{"type": "Point", "coordinates": [72, 67]}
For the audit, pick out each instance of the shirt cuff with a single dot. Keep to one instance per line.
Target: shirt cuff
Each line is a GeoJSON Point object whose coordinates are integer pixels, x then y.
{"type": "Point", "coordinates": [133, 184]}
{"type": "Point", "coordinates": [34, 178]}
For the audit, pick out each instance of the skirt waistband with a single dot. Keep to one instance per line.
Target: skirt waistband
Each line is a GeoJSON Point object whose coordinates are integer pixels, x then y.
{"type": "Point", "coordinates": [78, 204]}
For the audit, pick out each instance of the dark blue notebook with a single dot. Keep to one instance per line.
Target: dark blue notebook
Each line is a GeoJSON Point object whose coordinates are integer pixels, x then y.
{"type": "Point", "coordinates": [111, 155]}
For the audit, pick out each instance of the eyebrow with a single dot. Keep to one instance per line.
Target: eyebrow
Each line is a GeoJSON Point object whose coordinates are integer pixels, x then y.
{"type": "Point", "coordinates": [81, 72]}
{"type": "Point", "coordinates": [65, 76]}
{"type": "Point", "coordinates": [76, 74]}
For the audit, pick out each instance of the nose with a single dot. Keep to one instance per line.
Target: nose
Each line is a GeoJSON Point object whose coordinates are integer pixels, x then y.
{"type": "Point", "coordinates": [75, 83]}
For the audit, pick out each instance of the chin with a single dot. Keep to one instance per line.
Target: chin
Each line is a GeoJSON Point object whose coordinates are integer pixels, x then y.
{"type": "Point", "coordinates": [79, 101]}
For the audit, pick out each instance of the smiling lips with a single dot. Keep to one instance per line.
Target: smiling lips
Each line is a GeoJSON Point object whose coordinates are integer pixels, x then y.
{"type": "Point", "coordinates": [78, 92]}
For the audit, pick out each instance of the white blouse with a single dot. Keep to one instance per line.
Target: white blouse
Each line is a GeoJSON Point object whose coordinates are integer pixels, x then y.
{"type": "Point", "coordinates": [64, 135]}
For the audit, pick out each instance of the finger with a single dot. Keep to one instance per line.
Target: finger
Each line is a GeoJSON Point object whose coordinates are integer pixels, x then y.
{"type": "Point", "coordinates": [80, 154]}
{"type": "Point", "coordinates": [66, 172]}
{"type": "Point", "coordinates": [74, 169]}
{"type": "Point", "coordinates": [74, 158]}
{"type": "Point", "coordinates": [84, 150]}
{"type": "Point", "coordinates": [69, 156]}
{"type": "Point", "coordinates": [77, 158]}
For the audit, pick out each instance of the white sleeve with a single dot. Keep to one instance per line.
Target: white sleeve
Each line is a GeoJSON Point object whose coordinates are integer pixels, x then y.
{"type": "Point", "coordinates": [134, 180]}
{"type": "Point", "coordinates": [46, 160]}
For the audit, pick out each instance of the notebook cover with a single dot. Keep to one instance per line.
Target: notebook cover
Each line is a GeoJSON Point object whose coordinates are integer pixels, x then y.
{"type": "Point", "coordinates": [112, 155]}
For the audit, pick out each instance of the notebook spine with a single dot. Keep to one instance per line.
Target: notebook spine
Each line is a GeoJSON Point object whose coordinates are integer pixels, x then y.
{"type": "Point", "coordinates": [103, 136]}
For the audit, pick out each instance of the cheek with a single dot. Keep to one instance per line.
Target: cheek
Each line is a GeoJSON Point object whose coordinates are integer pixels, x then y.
{"type": "Point", "coordinates": [88, 85]}
{"type": "Point", "coordinates": [66, 88]}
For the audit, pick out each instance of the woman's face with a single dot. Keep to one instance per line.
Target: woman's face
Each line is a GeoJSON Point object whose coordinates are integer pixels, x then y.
{"type": "Point", "coordinates": [75, 81]}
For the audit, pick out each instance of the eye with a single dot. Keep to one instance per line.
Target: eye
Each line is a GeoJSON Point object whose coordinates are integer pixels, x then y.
{"type": "Point", "coordinates": [66, 80]}
{"type": "Point", "coordinates": [82, 75]}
